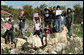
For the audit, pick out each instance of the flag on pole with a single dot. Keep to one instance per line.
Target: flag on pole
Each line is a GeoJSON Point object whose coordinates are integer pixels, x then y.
{"type": "Point", "coordinates": [22, 12]}
{"type": "Point", "coordinates": [35, 15]}
{"type": "Point", "coordinates": [8, 26]}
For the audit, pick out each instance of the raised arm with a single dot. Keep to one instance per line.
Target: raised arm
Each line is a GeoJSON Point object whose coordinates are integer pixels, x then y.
{"type": "Point", "coordinates": [34, 20]}
{"type": "Point", "coordinates": [40, 20]}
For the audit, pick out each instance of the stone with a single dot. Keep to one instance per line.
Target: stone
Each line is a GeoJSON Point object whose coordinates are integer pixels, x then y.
{"type": "Point", "coordinates": [63, 52]}
{"type": "Point", "coordinates": [19, 42]}
{"type": "Point", "coordinates": [70, 53]}
{"type": "Point", "coordinates": [59, 47]}
{"type": "Point", "coordinates": [16, 51]}
{"type": "Point", "coordinates": [53, 52]}
{"type": "Point", "coordinates": [35, 41]}
{"type": "Point", "coordinates": [53, 41]}
{"type": "Point", "coordinates": [79, 41]}
{"type": "Point", "coordinates": [2, 40]}
{"type": "Point", "coordinates": [62, 36]}
{"type": "Point", "coordinates": [4, 46]}
{"type": "Point", "coordinates": [76, 49]}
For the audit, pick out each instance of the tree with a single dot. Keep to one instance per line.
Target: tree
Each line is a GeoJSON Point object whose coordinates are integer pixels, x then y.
{"type": "Point", "coordinates": [4, 7]}
{"type": "Point", "coordinates": [62, 7]}
{"type": "Point", "coordinates": [28, 11]}
{"type": "Point", "coordinates": [78, 13]}
{"type": "Point", "coordinates": [41, 8]}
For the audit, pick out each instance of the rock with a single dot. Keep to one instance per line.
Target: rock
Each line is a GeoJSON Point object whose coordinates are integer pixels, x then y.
{"type": "Point", "coordinates": [32, 51]}
{"type": "Point", "coordinates": [70, 53]}
{"type": "Point", "coordinates": [35, 41]}
{"type": "Point", "coordinates": [43, 52]}
{"type": "Point", "coordinates": [19, 42]}
{"type": "Point", "coordinates": [53, 41]}
{"type": "Point", "coordinates": [16, 51]}
{"type": "Point", "coordinates": [4, 46]}
{"type": "Point", "coordinates": [53, 52]}
{"type": "Point", "coordinates": [26, 46]}
{"type": "Point", "coordinates": [39, 51]}
{"type": "Point", "coordinates": [63, 52]}
{"type": "Point", "coordinates": [59, 47]}
{"type": "Point", "coordinates": [62, 36]}
{"type": "Point", "coordinates": [76, 49]}
{"type": "Point", "coordinates": [48, 48]}
{"type": "Point", "coordinates": [2, 40]}
{"type": "Point", "coordinates": [78, 41]}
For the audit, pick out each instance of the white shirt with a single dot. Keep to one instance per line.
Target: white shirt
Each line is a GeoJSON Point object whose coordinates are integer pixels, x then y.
{"type": "Point", "coordinates": [37, 26]}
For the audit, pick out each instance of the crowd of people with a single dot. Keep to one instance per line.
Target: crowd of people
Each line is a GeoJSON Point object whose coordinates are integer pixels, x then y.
{"type": "Point", "coordinates": [51, 23]}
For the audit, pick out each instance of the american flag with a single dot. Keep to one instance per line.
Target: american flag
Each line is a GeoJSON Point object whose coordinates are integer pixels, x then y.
{"type": "Point", "coordinates": [35, 15]}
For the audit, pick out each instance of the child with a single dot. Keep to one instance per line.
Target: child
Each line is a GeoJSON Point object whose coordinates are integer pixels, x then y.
{"type": "Point", "coordinates": [42, 31]}
{"type": "Point", "coordinates": [47, 17]}
{"type": "Point", "coordinates": [58, 20]}
{"type": "Point", "coordinates": [37, 27]}
{"type": "Point", "coordinates": [63, 20]}
{"type": "Point", "coordinates": [10, 32]}
{"type": "Point", "coordinates": [9, 20]}
{"type": "Point", "coordinates": [47, 31]}
{"type": "Point", "coordinates": [69, 21]}
{"type": "Point", "coordinates": [22, 27]}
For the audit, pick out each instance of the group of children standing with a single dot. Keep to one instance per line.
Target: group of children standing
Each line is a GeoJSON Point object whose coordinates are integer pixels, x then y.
{"type": "Point", "coordinates": [52, 22]}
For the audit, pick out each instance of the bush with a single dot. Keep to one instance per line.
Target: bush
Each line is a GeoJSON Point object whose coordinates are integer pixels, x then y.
{"type": "Point", "coordinates": [78, 33]}
{"type": "Point", "coordinates": [5, 51]}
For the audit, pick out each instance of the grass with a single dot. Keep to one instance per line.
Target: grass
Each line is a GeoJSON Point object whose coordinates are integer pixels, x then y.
{"type": "Point", "coordinates": [78, 33]}
{"type": "Point", "coordinates": [5, 51]}
{"type": "Point", "coordinates": [27, 34]}
{"type": "Point", "coordinates": [68, 49]}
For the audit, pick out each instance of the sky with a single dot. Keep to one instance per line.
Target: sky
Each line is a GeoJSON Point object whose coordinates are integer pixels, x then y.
{"type": "Point", "coordinates": [19, 4]}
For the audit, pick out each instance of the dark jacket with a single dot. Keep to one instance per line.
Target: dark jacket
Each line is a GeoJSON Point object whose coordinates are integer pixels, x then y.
{"type": "Point", "coordinates": [47, 17]}
{"type": "Point", "coordinates": [69, 18]}
{"type": "Point", "coordinates": [11, 29]}
{"type": "Point", "coordinates": [22, 22]}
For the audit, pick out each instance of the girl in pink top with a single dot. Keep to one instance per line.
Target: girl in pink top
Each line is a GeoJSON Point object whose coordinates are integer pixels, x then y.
{"type": "Point", "coordinates": [37, 26]}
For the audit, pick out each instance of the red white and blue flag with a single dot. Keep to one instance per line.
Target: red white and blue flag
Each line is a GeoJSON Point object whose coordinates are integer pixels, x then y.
{"type": "Point", "coordinates": [35, 15]}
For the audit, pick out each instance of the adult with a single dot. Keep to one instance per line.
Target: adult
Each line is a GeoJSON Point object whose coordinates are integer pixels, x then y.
{"type": "Point", "coordinates": [5, 34]}
{"type": "Point", "coordinates": [58, 20]}
{"type": "Point", "coordinates": [69, 21]}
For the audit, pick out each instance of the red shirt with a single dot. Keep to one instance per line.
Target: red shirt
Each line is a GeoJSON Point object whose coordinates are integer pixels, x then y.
{"type": "Point", "coordinates": [48, 31]}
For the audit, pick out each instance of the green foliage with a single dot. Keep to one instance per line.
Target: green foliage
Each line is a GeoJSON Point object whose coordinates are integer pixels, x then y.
{"type": "Point", "coordinates": [77, 11]}
{"type": "Point", "coordinates": [27, 34]}
{"type": "Point", "coordinates": [62, 7]}
{"type": "Point", "coordinates": [28, 11]}
{"type": "Point", "coordinates": [78, 33]}
{"type": "Point", "coordinates": [6, 51]}
{"type": "Point", "coordinates": [41, 8]}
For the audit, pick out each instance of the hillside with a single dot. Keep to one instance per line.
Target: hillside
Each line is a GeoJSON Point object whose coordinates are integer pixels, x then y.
{"type": "Point", "coordinates": [58, 43]}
